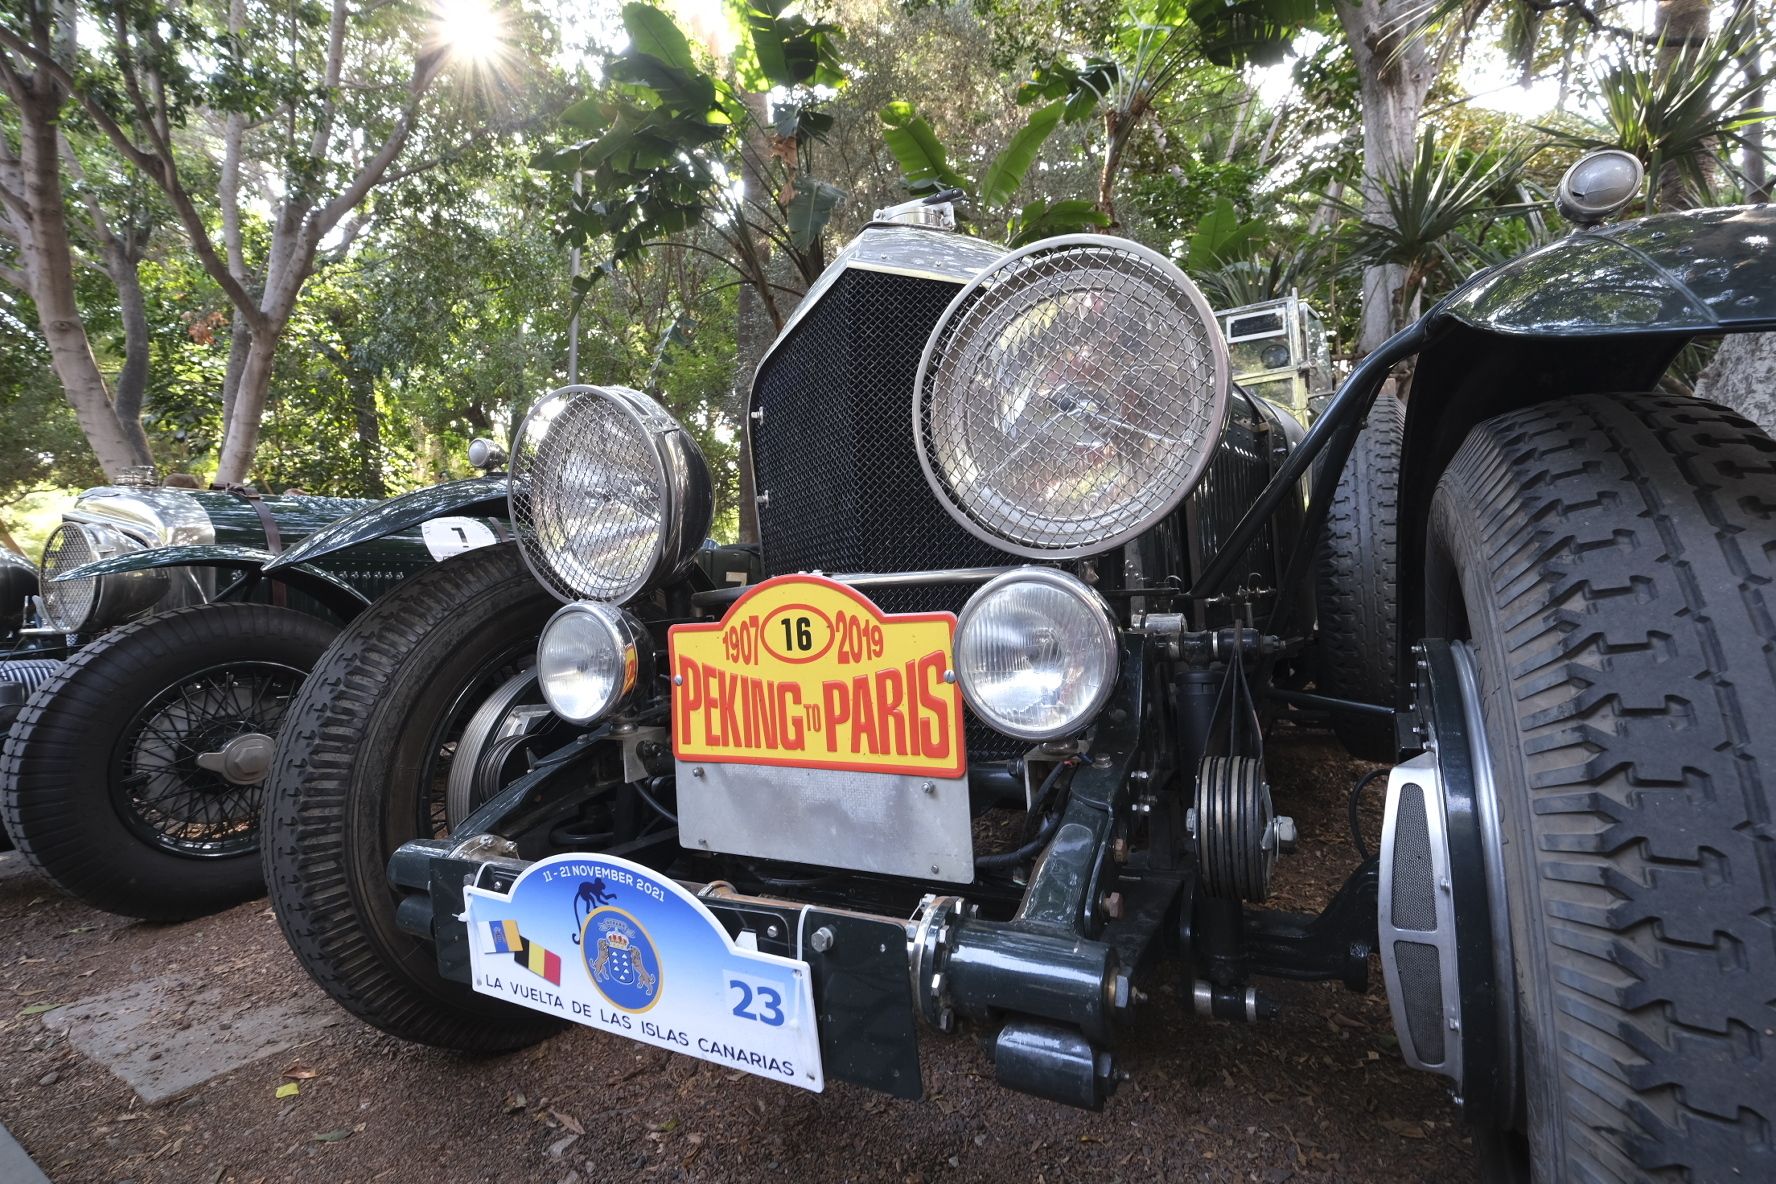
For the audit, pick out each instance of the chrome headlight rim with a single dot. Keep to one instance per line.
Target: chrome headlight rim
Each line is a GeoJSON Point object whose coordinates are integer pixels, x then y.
{"type": "Point", "coordinates": [676, 464]}
{"type": "Point", "coordinates": [631, 647]}
{"type": "Point", "coordinates": [1108, 639]}
{"type": "Point", "coordinates": [101, 541]}
{"type": "Point", "coordinates": [1221, 395]}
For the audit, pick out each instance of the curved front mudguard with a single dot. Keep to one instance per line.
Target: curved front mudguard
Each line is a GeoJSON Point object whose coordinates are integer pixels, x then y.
{"type": "Point", "coordinates": [339, 597]}
{"type": "Point", "coordinates": [474, 497]}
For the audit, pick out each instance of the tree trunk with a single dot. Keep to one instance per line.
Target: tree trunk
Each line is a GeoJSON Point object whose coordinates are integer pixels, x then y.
{"type": "Point", "coordinates": [369, 429]}
{"type": "Point", "coordinates": [1394, 70]}
{"type": "Point", "coordinates": [131, 386]}
{"type": "Point", "coordinates": [242, 438]}
{"type": "Point", "coordinates": [1757, 165]}
{"type": "Point", "coordinates": [49, 266]}
{"type": "Point", "coordinates": [1743, 376]}
{"type": "Point", "coordinates": [1679, 24]}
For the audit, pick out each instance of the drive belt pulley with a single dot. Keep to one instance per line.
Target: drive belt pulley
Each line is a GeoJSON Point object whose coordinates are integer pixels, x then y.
{"type": "Point", "coordinates": [1236, 831]}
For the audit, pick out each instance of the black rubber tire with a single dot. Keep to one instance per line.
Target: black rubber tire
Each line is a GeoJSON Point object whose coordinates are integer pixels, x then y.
{"type": "Point", "coordinates": [28, 674]}
{"type": "Point", "coordinates": [62, 757]}
{"type": "Point", "coordinates": [345, 789]}
{"type": "Point", "coordinates": [1356, 591]}
{"type": "Point", "coordinates": [1612, 558]}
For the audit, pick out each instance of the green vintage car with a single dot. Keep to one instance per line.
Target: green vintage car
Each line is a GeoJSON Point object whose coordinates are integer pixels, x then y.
{"type": "Point", "coordinates": [982, 745]}
{"type": "Point", "coordinates": [151, 661]}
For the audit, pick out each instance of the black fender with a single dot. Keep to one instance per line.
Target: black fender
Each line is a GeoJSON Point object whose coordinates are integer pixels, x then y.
{"type": "Point", "coordinates": [475, 497]}
{"type": "Point", "coordinates": [338, 597]}
{"type": "Point", "coordinates": [1598, 311]}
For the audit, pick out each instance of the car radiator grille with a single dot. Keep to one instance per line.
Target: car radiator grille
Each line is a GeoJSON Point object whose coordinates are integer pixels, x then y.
{"type": "Point", "coordinates": [833, 454]}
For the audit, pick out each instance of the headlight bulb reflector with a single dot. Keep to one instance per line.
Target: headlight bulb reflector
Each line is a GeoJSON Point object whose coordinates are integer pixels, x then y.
{"type": "Point", "coordinates": [1036, 653]}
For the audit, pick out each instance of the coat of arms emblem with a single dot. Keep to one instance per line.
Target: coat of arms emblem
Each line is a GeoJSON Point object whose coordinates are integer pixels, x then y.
{"type": "Point", "coordinates": [623, 963]}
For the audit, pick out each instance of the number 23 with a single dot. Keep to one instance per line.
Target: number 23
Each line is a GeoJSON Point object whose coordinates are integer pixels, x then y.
{"type": "Point", "coordinates": [770, 1003]}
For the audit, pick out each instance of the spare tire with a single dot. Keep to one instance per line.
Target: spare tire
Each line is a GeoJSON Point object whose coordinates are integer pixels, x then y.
{"type": "Point", "coordinates": [1357, 592]}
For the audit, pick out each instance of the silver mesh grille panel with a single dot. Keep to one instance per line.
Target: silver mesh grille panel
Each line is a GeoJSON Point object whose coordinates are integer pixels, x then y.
{"type": "Point", "coordinates": [1072, 398]}
{"type": "Point", "coordinates": [1413, 906]}
{"type": "Point", "coordinates": [1421, 991]}
{"type": "Point", "coordinates": [68, 605]}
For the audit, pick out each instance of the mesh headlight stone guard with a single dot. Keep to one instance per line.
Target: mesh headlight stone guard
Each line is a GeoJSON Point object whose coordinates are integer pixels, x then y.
{"type": "Point", "coordinates": [609, 494]}
{"type": "Point", "coordinates": [1070, 397]}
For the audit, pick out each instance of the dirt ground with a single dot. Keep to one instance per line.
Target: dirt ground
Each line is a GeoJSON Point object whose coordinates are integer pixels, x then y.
{"type": "Point", "coordinates": [1319, 1094]}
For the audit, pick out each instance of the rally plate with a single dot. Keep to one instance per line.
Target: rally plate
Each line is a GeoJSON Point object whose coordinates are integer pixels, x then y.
{"type": "Point", "coordinates": [810, 726]}
{"type": "Point", "coordinates": [616, 946]}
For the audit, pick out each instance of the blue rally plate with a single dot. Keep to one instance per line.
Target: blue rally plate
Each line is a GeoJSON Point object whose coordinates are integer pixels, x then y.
{"type": "Point", "coordinates": [613, 945]}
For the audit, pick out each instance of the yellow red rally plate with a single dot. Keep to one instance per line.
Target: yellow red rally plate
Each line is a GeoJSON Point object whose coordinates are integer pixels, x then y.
{"type": "Point", "coordinates": [806, 672]}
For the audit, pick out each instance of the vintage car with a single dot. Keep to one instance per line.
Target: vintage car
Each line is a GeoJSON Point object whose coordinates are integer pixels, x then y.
{"type": "Point", "coordinates": [148, 665]}
{"type": "Point", "coordinates": [982, 745]}
{"type": "Point", "coordinates": [1279, 350]}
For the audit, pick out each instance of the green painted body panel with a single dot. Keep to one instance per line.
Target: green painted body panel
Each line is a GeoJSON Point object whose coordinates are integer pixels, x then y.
{"type": "Point", "coordinates": [1696, 272]}
{"type": "Point", "coordinates": [372, 567]}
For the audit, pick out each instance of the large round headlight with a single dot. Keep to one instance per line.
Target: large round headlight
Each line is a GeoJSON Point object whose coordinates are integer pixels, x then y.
{"type": "Point", "coordinates": [80, 606]}
{"type": "Point", "coordinates": [591, 659]}
{"type": "Point", "coordinates": [610, 496]}
{"type": "Point", "coordinates": [1036, 653]}
{"type": "Point", "coordinates": [1070, 397]}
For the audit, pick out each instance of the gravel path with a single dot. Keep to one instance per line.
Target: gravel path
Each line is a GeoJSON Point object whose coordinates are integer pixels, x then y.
{"type": "Point", "coordinates": [1317, 1095]}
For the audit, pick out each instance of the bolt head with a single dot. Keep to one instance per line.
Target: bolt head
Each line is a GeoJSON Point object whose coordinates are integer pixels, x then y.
{"type": "Point", "coordinates": [697, 771]}
{"type": "Point", "coordinates": [821, 940]}
{"type": "Point", "coordinates": [930, 787]}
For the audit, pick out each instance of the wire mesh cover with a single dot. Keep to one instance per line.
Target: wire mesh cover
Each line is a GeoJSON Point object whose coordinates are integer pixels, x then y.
{"type": "Point", "coordinates": [834, 453]}
{"type": "Point", "coordinates": [1073, 399]}
{"type": "Point", "coordinates": [588, 495]}
{"type": "Point", "coordinates": [68, 604]}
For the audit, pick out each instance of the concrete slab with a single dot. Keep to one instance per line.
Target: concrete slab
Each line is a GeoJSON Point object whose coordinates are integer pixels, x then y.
{"type": "Point", "coordinates": [166, 1035]}
{"type": "Point", "coordinates": [15, 1166]}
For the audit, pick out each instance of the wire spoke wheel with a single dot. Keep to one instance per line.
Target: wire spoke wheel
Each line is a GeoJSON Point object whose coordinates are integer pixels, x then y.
{"type": "Point", "coordinates": [191, 764]}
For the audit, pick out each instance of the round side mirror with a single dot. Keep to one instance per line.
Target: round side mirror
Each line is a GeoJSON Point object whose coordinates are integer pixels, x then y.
{"type": "Point", "coordinates": [1598, 185]}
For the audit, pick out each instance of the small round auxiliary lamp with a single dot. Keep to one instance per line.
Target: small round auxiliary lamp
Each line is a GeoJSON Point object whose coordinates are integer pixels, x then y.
{"type": "Point", "coordinates": [1598, 185]}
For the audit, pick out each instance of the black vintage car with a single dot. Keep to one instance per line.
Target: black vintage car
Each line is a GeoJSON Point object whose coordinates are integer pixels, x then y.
{"type": "Point", "coordinates": [148, 664]}
{"type": "Point", "coordinates": [1027, 552]}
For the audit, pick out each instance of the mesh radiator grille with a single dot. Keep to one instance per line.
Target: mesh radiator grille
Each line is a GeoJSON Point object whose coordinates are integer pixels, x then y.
{"type": "Point", "coordinates": [834, 451]}
{"type": "Point", "coordinates": [834, 455]}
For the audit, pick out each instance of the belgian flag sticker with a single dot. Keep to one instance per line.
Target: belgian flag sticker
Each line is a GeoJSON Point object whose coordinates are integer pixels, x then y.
{"type": "Point", "coordinates": [502, 937]}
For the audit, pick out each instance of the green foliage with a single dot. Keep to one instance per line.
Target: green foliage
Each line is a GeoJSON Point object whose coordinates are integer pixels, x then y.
{"type": "Point", "coordinates": [1010, 167]}
{"type": "Point", "coordinates": [664, 137]}
{"type": "Point", "coordinates": [1436, 208]}
{"type": "Point", "coordinates": [1686, 114]}
{"type": "Point", "coordinates": [924, 165]}
{"type": "Point", "coordinates": [1220, 237]}
{"type": "Point", "coordinates": [1258, 31]}
{"type": "Point", "coordinates": [1080, 87]}
{"type": "Point", "coordinates": [1043, 219]}
{"type": "Point", "coordinates": [40, 440]}
{"type": "Point", "coordinates": [808, 210]}
{"type": "Point", "coordinates": [925, 168]}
